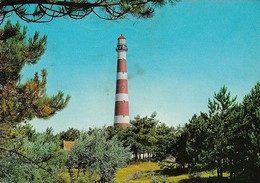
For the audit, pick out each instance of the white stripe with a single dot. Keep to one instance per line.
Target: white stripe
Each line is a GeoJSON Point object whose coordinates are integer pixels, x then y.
{"type": "Point", "coordinates": [121, 119]}
{"type": "Point", "coordinates": [121, 97]}
{"type": "Point", "coordinates": [121, 54]}
{"type": "Point", "coordinates": [121, 75]}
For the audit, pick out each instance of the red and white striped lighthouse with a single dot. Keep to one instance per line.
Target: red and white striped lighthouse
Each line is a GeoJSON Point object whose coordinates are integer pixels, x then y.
{"type": "Point", "coordinates": [121, 103]}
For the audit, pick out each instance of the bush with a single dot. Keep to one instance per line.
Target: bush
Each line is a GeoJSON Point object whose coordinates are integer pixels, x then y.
{"type": "Point", "coordinates": [135, 176]}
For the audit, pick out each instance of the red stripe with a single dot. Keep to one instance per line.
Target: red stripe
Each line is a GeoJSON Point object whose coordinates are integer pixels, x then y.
{"type": "Point", "coordinates": [121, 86]}
{"type": "Point", "coordinates": [121, 65]}
{"type": "Point", "coordinates": [122, 108]}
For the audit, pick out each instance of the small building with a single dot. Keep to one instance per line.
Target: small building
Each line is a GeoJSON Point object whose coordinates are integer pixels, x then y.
{"type": "Point", "coordinates": [67, 145]}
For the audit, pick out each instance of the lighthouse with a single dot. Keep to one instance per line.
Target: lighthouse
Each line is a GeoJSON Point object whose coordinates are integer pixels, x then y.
{"type": "Point", "coordinates": [121, 101]}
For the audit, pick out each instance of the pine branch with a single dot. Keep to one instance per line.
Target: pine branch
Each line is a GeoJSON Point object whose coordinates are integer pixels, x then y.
{"type": "Point", "coordinates": [46, 10]}
{"type": "Point", "coordinates": [25, 157]}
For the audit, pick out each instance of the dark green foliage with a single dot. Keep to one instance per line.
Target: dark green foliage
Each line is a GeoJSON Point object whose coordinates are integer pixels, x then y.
{"type": "Point", "coordinates": [190, 145]}
{"type": "Point", "coordinates": [216, 180]}
{"type": "Point", "coordinates": [120, 133]}
{"type": "Point", "coordinates": [70, 135]}
{"type": "Point", "coordinates": [225, 139]}
{"type": "Point", "coordinates": [147, 135]}
{"type": "Point", "coordinates": [142, 134]}
{"type": "Point", "coordinates": [207, 139]}
{"type": "Point", "coordinates": [179, 148]}
{"type": "Point", "coordinates": [166, 138]}
{"type": "Point", "coordinates": [248, 133]}
{"type": "Point", "coordinates": [15, 52]}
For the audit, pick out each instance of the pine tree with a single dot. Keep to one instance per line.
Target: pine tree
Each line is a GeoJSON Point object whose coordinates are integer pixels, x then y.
{"type": "Point", "coordinates": [165, 139]}
{"type": "Point", "coordinates": [39, 158]}
{"type": "Point", "coordinates": [70, 135]}
{"type": "Point", "coordinates": [219, 123]}
{"type": "Point", "coordinates": [142, 135]}
{"type": "Point", "coordinates": [22, 102]}
{"type": "Point", "coordinates": [249, 135]}
{"type": "Point", "coordinates": [47, 10]}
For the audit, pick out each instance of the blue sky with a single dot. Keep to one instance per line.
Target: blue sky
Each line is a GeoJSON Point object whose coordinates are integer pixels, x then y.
{"type": "Point", "coordinates": [176, 61]}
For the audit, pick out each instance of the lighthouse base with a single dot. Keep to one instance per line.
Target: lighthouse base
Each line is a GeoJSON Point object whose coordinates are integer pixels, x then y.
{"type": "Point", "coordinates": [122, 125]}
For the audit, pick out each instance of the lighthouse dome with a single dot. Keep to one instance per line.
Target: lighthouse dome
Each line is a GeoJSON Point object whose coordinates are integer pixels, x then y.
{"type": "Point", "coordinates": [121, 37]}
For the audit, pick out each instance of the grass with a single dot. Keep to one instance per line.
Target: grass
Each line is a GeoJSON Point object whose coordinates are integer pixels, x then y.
{"type": "Point", "coordinates": [123, 173]}
{"type": "Point", "coordinates": [140, 172]}
{"type": "Point", "coordinates": [87, 178]}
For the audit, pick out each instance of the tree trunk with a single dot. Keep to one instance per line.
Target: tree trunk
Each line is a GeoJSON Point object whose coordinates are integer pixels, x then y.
{"type": "Point", "coordinates": [221, 172]}
{"type": "Point", "coordinates": [149, 160]}
{"type": "Point", "coordinates": [220, 169]}
{"type": "Point", "coordinates": [136, 155]}
{"type": "Point", "coordinates": [218, 172]}
{"type": "Point", "coordinates": [231, 175]}
{"type": "Point", "coordinates": [71, 174]}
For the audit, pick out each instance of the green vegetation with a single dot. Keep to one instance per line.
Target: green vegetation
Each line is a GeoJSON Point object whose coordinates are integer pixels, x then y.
{"type": "Point", "coordinates": [225, 140]}
{"type": "Point", "coordinates": [25, 156]}
{"type": "Point", "coordinates": [77, 177]}
{"type": "Point", "coordinates": [143, 172]}
{"type": "Point", "coordinates": [70, 135]}
{"type": "Point", "coordinates": [38, 158]}
{"type": "Point", "coordinates": [124, 174]}
{"type": "Point", "coordinates": [95, 153]}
